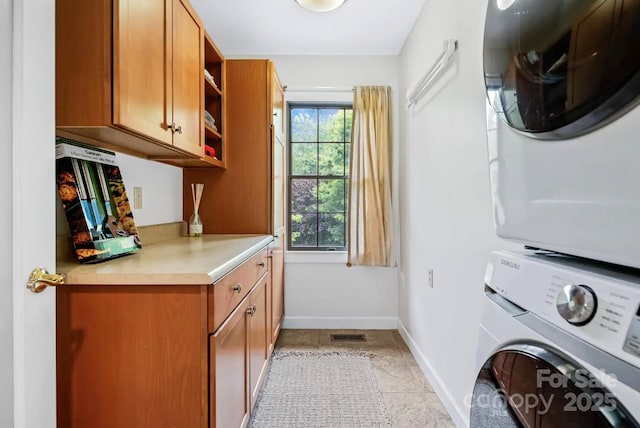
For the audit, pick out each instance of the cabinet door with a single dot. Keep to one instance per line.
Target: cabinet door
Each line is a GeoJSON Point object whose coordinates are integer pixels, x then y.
{"type": "Point", "coordinates": [142, 67]}
{"type": "Point", "coordinates": [277, 290]}
{"type": "Point", "coordinates": [258, 339]}
{"type": "Point", "coordinates": [188, 84]}
{"type": "Point", "coordinates": [278, 183]}
{"type": "Point", "coordinates": [228, 376]}
{"type": "Point", "coordinates": [278, 155]}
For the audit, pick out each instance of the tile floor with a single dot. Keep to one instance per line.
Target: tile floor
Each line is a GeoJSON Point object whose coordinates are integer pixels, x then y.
{"type": "Point", "coordinates": [406, 393]}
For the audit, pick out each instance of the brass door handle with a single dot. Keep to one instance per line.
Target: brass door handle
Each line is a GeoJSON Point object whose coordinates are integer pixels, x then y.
{"type": "Point", "coordinates": [39, 279]}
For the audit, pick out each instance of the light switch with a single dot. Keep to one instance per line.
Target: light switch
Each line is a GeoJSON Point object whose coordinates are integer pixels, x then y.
{"type": "Point", "coordinates": [137, 198]}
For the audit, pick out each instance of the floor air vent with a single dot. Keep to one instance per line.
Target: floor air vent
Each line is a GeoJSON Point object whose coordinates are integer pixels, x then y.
{"type": "Point", "coordinates": [348, 338]}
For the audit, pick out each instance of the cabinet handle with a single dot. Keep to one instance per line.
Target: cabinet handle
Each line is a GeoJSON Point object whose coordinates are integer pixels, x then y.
{"type": "Point", "coordinates": [261, 264]}
{"type": "Point", "coordinates": [175, 128]}
{"type": "Point", "coordinates": [237, 288]}
{"type": "Point", "coordinates": [251, 310]}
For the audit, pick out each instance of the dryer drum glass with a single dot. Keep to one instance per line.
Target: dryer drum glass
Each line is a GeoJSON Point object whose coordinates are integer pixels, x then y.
{"type": "Point", "coordinates": [556, 69]}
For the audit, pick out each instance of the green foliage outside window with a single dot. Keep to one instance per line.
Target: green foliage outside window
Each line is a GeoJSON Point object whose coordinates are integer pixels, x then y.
{"type": "Point", "coordinates": [319, 167]}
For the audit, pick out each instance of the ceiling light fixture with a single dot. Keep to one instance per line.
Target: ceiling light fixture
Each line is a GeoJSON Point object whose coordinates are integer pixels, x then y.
{"type": "Point", "coordinates": [320, 5]}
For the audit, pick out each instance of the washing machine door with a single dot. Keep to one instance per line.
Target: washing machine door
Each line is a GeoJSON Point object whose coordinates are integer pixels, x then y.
{"type": "Point", "coordinates": [530, 385]}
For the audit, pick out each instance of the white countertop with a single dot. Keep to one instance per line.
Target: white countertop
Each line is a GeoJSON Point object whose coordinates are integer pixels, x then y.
{"type": "Point", "coordinates": [179, 261]}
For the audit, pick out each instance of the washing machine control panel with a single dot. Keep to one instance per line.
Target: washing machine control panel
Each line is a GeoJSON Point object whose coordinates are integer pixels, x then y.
{"type": "Point", "coordinates": [593, 303]}
{"type": "Point", "coordinates": [632, 341]}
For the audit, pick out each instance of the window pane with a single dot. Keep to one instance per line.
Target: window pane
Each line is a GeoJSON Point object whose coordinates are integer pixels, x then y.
{"type": "Point", "coordinates": [347, 126]}
{"type": "Point", "coordinates": [304, 124]}
{"type": "Point", "coordinates": [303, 195]}
{"type": "Point", "coordinates": [332, 159]}
{"type": "Point", "coordinates": [332, 125]}
{"type": "Point", "coordinates": [304, 229]}
{"type": "Point", "coordinates": [331, 195]}
{"type": "Point", "coordinates": [347, 153]}
{"type": "Point", "coordinates": [304, 159]}
{"type": "Point", "coordinates": [346, 196]}
{"type": "Point", "coordinates": [331, 233]}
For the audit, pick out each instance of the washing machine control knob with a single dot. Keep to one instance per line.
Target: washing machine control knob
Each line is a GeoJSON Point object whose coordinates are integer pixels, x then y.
{"type": "Point", "coordinates": [577, 304]}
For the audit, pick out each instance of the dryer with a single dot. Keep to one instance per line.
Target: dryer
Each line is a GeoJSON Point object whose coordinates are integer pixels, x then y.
{"type": "Point", "coordinates": [562, 81]}
{"type": "Point", "coordinates": [559, 344]}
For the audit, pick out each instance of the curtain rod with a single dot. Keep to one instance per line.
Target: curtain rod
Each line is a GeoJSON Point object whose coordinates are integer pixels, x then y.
{"type": "Point", "coordinates": [318, 89]}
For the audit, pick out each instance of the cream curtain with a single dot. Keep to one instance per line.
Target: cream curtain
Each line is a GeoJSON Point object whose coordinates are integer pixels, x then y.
{"type": "Point", "coordinates": [370, 223]}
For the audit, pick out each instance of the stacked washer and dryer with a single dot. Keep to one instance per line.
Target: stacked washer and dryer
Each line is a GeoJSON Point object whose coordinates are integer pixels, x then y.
{"type": "Point", "coordinates": [559, 342]}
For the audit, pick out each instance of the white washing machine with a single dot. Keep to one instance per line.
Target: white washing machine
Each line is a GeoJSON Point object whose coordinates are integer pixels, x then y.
{"type": "Point", "coordinates": [559, 344]}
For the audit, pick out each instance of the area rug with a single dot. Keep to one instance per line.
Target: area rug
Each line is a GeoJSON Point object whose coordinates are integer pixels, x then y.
{"type": "Point", "coordinates": [320, 390]}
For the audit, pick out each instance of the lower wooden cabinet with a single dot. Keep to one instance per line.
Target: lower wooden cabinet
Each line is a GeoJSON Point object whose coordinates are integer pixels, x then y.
{"type": "Point", "coordinates": [239, 359]}
{"type": "Point", "coordinates": [228, 350]}
{"type": "Point", "coordinates": [136, 356]}
{"type": "Point", "coordinates": [258, 338]}
{"type": "Point", "coordinates": [132, 356]}
{"type": "Point", "coordinates": [277, 292]}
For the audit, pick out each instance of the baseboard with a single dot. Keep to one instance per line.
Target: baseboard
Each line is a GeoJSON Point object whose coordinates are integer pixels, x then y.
{"type": "Point", "coordinates": [458, 415]}
{"type": "Point", "coordinates": [360, 323]}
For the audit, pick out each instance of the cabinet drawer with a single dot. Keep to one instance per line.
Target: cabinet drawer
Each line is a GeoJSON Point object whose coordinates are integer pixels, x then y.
{"type": "Point", "coordinates": [227, 293]}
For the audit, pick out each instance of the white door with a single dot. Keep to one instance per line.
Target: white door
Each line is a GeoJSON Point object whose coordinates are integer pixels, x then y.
{"type": "Point", "coordinates": [31, 209]}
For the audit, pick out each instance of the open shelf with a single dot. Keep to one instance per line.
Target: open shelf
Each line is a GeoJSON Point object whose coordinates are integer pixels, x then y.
{"type": "Point", "coordinates": [211, 90]}
{"type": "Point", "coordinates": [209, 132]}
{"type": "Point", "coordinates": [214, 102]}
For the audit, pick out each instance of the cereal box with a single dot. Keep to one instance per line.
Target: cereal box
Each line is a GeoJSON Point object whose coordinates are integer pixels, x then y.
{"type": "Point", "coordinates": [95, 202]}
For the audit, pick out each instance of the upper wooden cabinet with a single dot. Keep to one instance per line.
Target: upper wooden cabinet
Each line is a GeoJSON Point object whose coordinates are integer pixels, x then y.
{"type": "Point", "coordinates": [129, 76]}
{"type": "Point", "coordinates": [241, 199]}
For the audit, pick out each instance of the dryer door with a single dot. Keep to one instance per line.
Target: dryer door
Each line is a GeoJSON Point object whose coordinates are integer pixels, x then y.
{"type": "Point", "coordinates": [529, 385]}
{"type": "Point", "coordinates": [557, 69]}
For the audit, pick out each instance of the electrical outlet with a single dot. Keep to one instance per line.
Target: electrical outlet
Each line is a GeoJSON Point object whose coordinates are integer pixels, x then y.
{"type": "Point", "coordinates": [430, 277]}
{"type": "Point", "coordinates": [137, 198]}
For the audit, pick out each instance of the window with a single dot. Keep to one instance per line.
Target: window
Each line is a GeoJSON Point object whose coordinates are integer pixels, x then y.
{"type": "Point", "coordinates": [320, 143]}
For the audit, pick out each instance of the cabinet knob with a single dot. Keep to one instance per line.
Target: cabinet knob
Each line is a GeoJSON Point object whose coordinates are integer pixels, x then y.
{"type": "Point", "coordinates": [251, 310]}
{"type": "Point", "coordinates": [237, 288]}
{"type": "Point", "coordinates": [261, 264]}
{"type": "Point", "coordinates": [175, 128]}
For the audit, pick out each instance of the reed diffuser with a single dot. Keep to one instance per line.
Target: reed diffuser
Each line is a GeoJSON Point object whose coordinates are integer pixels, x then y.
{"type": "Point", "coordinates": [195, 223]}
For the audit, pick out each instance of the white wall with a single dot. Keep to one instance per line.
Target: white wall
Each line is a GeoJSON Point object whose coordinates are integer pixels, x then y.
{"type": "Point", "coordinates": [161, 189]}
{"type": "Point", "coordinates": [330, 295]}
{"type": "Point", "coordinates": [6, 289]}
{"type": "Point", "coordinates": [445, 200]}
{"type": "Point", "coordinates": [161, 192]}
